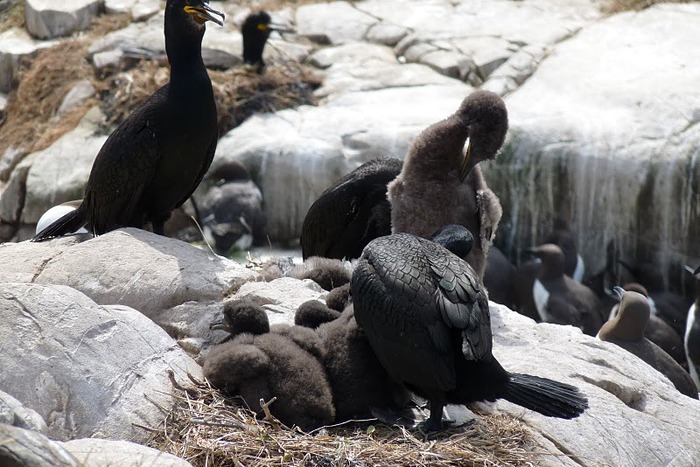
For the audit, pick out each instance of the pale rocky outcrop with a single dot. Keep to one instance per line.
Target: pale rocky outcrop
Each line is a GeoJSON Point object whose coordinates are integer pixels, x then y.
{"type": "Point", "coordinates": [91, 452]}
{"type": "Point", "coordinates": [27, 448]}
{"type": "Point", "coordinates": [15, 44]}
{"type": "Point", "coordinates": [88, 370]}
{"type": "Point", "coordinates": [178, 286]}
{"type": "Point", "coordinates": [47, 19]}
{"type": "Point", "coordinates": [630, 403]}
{"type": "Point", "coordinates": [13, 412]}
{"type": "Point", "coordinates": [605, 133]}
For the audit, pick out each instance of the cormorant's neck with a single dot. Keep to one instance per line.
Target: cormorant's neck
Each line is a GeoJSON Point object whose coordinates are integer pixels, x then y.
{"type": "Point", "coordinates": [439, 149]}
{"type": "Point", "coordinates": [183, 45]}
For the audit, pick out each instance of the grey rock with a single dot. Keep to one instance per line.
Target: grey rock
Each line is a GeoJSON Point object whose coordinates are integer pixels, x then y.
{"type": "Point", "coordinates": [118, 6]}
{"type": "Point", "coordinates": [88, 370]}
{"type": "Point", "coordinates": [15, 44]}
{"type": "Point", "coordinates": [12, 197]}
{"type": "Point", "coordinates": [311, 147]}
{"type": "Point", "coordinates": [333, 22]}
{"type": "Point", "coordinates": [47, 19]}
{"type": "Point", "coordinates": [82, 90]}
{"type": "Point", "coordinates": [281, 297]}
{"type": "Point", "coordinates": [91, 452]}
{"type": "Point", "coordinates": [12, 412]}
{"type": "Point", "coordinates": [27, 448]}
{"type": "Point", "coordinates": [590, 113]}
{"type": "Point", "coordinates": [59, 173]}
{"type": "Point", "coordinates": [144, 9]}
{"type": "Point", "coordinates": [627, 397]}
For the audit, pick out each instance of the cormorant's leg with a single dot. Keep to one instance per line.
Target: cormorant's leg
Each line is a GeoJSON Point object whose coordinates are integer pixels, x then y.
{"type": "Point", "coordinates": [159, 228]}
{"type": "Point", "coordinates": [434, 422]}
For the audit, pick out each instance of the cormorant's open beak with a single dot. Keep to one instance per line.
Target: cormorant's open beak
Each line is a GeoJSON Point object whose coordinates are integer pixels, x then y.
{"type": "Point", "coordinates": [279, 28]}
{"type": "Point", "coordinates": [467, 164]}
{"type": "Point", "coordinates": [205, 13]}
{"type": "Point", "coordinates": [619, 292]}
{"type": "Point", "coordinates": [220, 325]}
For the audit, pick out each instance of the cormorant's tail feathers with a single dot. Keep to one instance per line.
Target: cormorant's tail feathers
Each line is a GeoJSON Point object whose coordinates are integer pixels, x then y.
{"type": "Point", "coordinates": [64, 225]}
{"type": "Point", "coordinates": [545, 396]}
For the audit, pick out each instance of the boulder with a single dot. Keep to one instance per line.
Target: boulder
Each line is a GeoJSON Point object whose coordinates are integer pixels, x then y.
{"type": "Point", "coordinates": [13, 412]}
{"type": "Point", "coordinates": [88, 370]}
{"type": "Point", "coordinates": [15, 44]}
{"type": "Point", "coordinates": [333, 22]}
{"type": "Point", "coordinates": [60, 172]}
{"type": "Point", "coordinates": [179, 286]}
{"type": "Point", "coordinates": [630, 404]}
{"type": "Point", "coordinates": [27, 448]}
{"type": "Point", "coordinates": [91, 452]}
{"type": "Point", "coordinates": [47, 19]}
{"type": "Point", "coordinates": [295, 154]}
{"type": "Point", "coordinates": [281, 297]}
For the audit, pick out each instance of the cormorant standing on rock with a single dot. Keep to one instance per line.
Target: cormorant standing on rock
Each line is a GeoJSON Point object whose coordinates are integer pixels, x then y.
{"type": "Point", "coordinates": [351, 212]}
{"type": "Point", "coordinates": [426, 315]}
{"type": "Point", "coordinates": [626, 330]}
{"type": "Point", "coordinates": [155, 158]}
{"type": "Point", "coordinates": [256, 29]}
{"type": "Point", "coordinates": [441, 184]}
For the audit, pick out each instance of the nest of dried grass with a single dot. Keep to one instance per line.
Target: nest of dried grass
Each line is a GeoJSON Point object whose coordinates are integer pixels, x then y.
{"type": "Point", "coordinates": [206, 428]}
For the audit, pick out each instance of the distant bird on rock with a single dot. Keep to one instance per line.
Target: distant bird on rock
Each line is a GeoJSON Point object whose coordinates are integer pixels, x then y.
{"type": "Point", "coordinates": [256, 30]}
{"type": "Point", "coordinates": [440, 182]}
{"type": "Point", "coordinates": [627, 331]}
{"type": "Point", "coordinates": [351, 212]}
{"type": "Point", "coordinates": [155, 158]}
{"type": "Point", "coordinates": [657, 330]}
{"type": "Point", "coordinates": [692, 334]}
{"type": "Point", "coordinates": [425, 314]}
{"type": "Point", "coordinates": [233, 216]}
{"type": "Point", "coordinates": [561, 300]}
{"type": "Point", "coordinates": [261, 362]}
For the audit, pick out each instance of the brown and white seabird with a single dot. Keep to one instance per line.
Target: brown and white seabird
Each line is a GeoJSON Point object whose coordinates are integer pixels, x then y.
{"type": "Point", "coordinates": [691, 341]}
{"type": "Point", "coordinates": [627, 331]}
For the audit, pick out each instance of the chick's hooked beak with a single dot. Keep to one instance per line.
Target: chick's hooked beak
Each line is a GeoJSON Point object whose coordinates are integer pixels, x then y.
{"type": "Point", "coordinates": [467, 162]}
{"type": "Point", "coordinates": [618, 292]}
{"type": "Point", "coordinates": [204, 12]}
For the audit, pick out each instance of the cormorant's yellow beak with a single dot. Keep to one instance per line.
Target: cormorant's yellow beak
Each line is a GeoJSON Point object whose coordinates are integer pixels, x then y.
{"type": "Point", "coordinates": [205, 13]}
{"type": "Point", "coordinates": [467, 163]}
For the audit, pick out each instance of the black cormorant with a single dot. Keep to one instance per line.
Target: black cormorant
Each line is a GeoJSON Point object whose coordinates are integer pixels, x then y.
{"type": "Point", "coordinates": [351, 212]}
{"type": "Point", "coordinates": [425, 314]}
{"type": "Point", "coordinates": [626, 330]}
{"type": "Point", "coordinates": [440, 182]}
{"type": "Point", "coordinates": [256, 29]}
{"type": "Point", "coordinates": [155, 158]}
{"type": "Point", "coordinates": [284, 363]}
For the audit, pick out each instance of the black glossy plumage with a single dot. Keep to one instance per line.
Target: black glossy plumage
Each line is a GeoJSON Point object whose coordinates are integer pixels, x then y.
{"type": "Point", "coordinates": [155, 158]}
{"type": "Point", "coordinates": [426, 316]}
{"type": "Point", "coordinates": [350, 213]}
{"type": "Point", "coordinates": [255, 30]}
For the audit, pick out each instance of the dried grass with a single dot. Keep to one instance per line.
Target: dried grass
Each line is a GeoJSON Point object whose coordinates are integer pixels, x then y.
{"type": "Point", "coordinates": [208, 429]}
{"type": "Point", "coordinates": [617, 6]}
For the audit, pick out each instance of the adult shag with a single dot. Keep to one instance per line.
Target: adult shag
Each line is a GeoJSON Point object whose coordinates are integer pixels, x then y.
{"type": "Point", "coordinates": [155, 158]}
{"type": "Point", "coordinates": [256, 30]}
{"type": "Point", "coordinates": [351, 212]}
{"type": "Point", "coordinates": [426, 316]}
{"type": "Point", "coordinates": [440, 182]}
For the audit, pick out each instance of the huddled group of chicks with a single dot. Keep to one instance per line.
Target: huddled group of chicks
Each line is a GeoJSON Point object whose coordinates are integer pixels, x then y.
{"type": "Point", "coordinates": [321, 370]}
